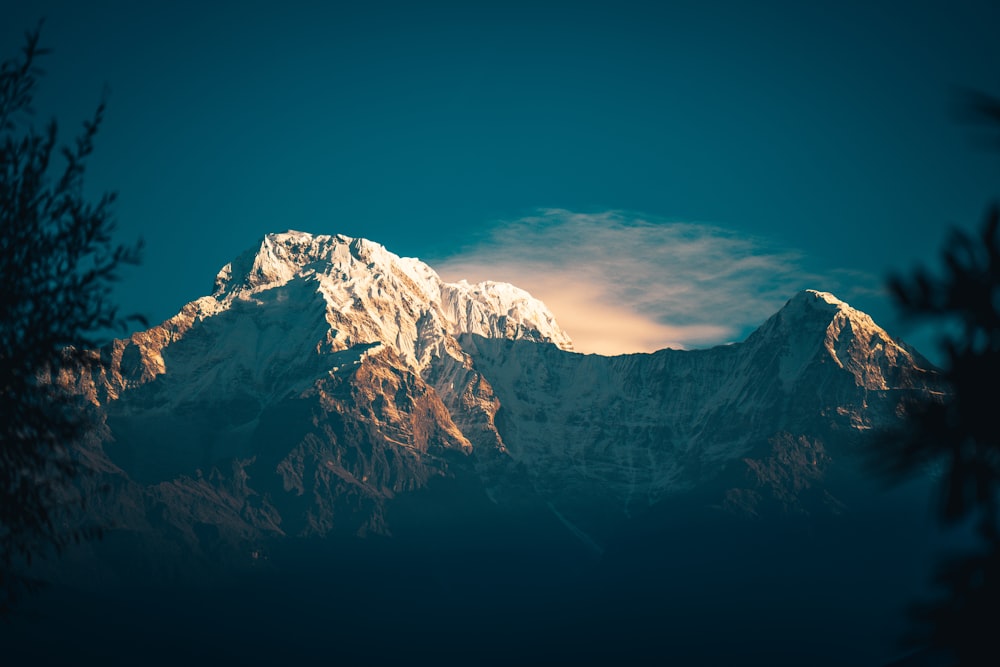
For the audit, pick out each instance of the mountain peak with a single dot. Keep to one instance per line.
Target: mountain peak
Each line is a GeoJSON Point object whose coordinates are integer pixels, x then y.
{"type": "Point", "coordinates": [373, 295]}
{"type": "Point", "coordinates": [817, 327]}
{"type": "Point", "coordinates": [813, 310]}
{"type": "Point", "coordinates": [815, 299]}
{"type": "Point", "coordinates": [281, 256]}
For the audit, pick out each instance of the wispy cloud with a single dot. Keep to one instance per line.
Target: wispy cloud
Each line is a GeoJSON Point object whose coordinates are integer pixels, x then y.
{"type": "Point", "coordinates": [624, 283]}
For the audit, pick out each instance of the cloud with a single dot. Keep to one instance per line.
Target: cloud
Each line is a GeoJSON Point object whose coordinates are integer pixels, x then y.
{"type": "Point", "coordinates": [624, 283]}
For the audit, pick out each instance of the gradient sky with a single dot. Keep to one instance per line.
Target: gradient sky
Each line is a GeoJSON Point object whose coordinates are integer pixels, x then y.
{"type": "Point", "coordinates": [673, 171]}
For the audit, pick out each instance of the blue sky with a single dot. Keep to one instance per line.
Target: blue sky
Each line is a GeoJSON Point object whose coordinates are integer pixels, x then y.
{"type": "Point", "coordinates": [628, 155]}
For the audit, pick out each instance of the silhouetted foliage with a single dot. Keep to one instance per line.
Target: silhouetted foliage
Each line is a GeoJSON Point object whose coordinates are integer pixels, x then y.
{"type": "Point", "coordinates": [981, 108]}
{"type": "Point", "coordinates": [961, 430]}
{"type": "Point", "coordinates": [959, 433]}
{"type": "Point", "coordinates": [57, 263]}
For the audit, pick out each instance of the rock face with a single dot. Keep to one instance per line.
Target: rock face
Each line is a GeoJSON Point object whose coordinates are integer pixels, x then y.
{"type": "Point", "coordinates": [325, 379]}
{"type": "Point", "coordinates": [628, 431]}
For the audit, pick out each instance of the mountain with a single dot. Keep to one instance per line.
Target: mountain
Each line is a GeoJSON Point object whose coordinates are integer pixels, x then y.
{"type": "Point", "coordinates": [330, 397]}
{"type": "Point", "coordinates": [340, 373]}
{"type": "Point", "coordinates": [337, 376]}
{"type": "Point", "coordinates": [640, 427]}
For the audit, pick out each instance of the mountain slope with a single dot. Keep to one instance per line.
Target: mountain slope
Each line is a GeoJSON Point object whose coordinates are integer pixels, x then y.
{"type": "Point", "coordinates": [326, 378]}
{"type": "Point", "coordinates": [625, 432]}
{"type": "Point", "coordinates": [336, 453]}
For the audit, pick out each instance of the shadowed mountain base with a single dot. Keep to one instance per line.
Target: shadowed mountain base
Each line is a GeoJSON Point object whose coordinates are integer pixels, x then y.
{"type": "Point", "coordinates": [463, 582]}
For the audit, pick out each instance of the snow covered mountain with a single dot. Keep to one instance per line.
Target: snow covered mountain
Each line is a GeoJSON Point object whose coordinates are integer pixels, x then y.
{"type": "Point", "coordinates": [336, 448]}
{"type": "Point", "coordinates": [302, 296]}
{"type": "Point", "coordinates": [326, 379]}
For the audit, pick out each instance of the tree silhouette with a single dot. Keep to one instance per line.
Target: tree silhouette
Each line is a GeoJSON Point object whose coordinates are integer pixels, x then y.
{"type": "Point", "coordinates": [57, 264]}
{"type": "Point", "coordinates": [958, 431]}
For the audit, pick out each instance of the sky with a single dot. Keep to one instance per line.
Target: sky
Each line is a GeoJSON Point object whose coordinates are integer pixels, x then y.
{"type": "Point", "coordinates": [660, 174]}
